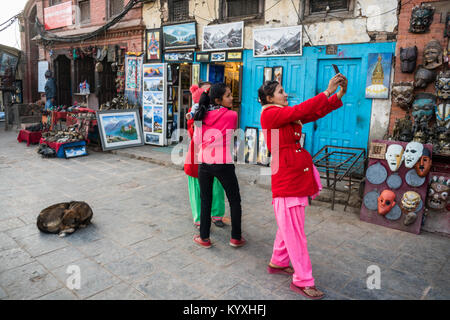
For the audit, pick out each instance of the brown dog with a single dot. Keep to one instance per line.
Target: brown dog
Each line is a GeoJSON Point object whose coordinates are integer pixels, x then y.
{"type": "Point", "coordinates": [64, 217]}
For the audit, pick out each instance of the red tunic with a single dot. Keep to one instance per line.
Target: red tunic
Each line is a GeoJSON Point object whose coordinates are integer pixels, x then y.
{"type": "Point", "coordinates": [292, 173]}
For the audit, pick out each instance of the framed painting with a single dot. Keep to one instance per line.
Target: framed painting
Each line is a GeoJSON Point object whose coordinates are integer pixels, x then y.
{"type": "Point", "coordinates": [218, 56]}
{"type": "Point", "coordinates": [182, 35]}
{"type": "Point", "coordinates": [153, 45]}
{"type": "Point", "coordinates": [234, 55]}
{"type": "Point", "coordinates": [251, 145]}
{"type": "Point", "coordinates": [268, 71]}
{"type": "Point", "coordinates": [276, 42]}
{"type": "Point", "coordinates": [229, 36]}
{"type": "Point", "coordinates": [378, 75]}
{"type": "Point", "coordinates": [119, 129]}
{"type": "Point", "coordinates": [278, 74]}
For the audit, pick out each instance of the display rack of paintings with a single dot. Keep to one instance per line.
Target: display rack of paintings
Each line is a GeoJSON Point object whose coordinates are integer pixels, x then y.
{"type": "Point", "coordinates": [251, 145]}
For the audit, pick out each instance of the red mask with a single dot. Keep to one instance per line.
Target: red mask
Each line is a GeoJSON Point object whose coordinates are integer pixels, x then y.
{"type": "Point", "coordinates": [423, 166]}
{"type": "Point", "coordinates": [386, 201]}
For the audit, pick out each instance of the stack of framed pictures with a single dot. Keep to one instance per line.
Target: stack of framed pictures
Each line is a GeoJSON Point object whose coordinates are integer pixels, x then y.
{"type": "Point", "coordinates": [154, 103]}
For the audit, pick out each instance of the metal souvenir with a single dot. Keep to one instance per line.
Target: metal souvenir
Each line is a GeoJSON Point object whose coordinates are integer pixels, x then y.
{"type": "Point", "coordinates": [423, 77]}
{"type": "Point", "coordinates": [371, 200]}
{"type": "Point", "coordinates": [442, 85]}
{"type": "Point", "coordinates": [413, 179]}
{"type": "Point", "coordinates": [421, 18]}
{"type": "Point", "coordinates": [394, 214]}
{"type": "Point", "coordinates": [376, 174]}
{"type": "Point", "coordinates": [423, 110]}
{"type": "Point", "coordinates": [394, 181]}
{"type": "Point", "coordinates": [408, 57]}
{"type": "Point", "coordinates": [403, 93]}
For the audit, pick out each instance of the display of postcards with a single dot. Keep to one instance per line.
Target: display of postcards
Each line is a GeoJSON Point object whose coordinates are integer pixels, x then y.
{"type": "Point", "coordinates": [263, 151]}
{"type": "Point", "coordinates": [251, 144]}
{"type": "Point", "coordinates": [73, 152]}
{"type": "Point", "coordinates": [157, 119]}
{"type": "Point", "coordinates": [154, 71]}
{"type": "Point", "coordinates": [153, 84]}
{"type": "Point", "coordinates": [152, 138]}
{"type": "Point", "coordinates": [169, 110]}
{"type": "Point", "coordinates": [148, 118]}
{"type": "Point", "coordinates": [218, 56]}
{"type": "Point", "coordinates": [153, 97]}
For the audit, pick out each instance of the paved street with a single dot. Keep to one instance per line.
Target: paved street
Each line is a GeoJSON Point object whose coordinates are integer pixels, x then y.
{"type": "Point", "coordinates": [140, 243]}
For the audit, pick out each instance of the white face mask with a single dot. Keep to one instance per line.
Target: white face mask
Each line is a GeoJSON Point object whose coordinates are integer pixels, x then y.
{"type": "Point", "coordinates": [394, 156]}
{"type": "Point", "coordinates": [413, 152]}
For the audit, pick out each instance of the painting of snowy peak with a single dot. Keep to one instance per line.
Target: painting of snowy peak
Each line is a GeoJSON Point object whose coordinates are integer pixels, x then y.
{"type": "Point", "coordinates": [180, 36]}
{"type": "Point", "coordinates": [223, 36]}
{"type": "Point", "coordinates": [285, 41]}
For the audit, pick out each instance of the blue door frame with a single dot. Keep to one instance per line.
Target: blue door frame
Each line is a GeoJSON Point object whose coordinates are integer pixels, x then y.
{"type": "Point", "coordinates": [306, 76]}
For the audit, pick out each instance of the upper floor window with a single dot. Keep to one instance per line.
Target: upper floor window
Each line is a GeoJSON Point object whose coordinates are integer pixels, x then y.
{"type": "Point", "coordinates": [114, 7]}
{"type": "Point", "coordinates": [178, 10]}
{"type": "Point", "coordinates": [319, 6]}
{"type": "Point", "coordinates": [85, 11]}
{"type": "Point", "coordinates": [54, 2]}
{"type": "Point", "coordinates": [238, 8]}
{"type": "Point", "coordinates": [317, 10]}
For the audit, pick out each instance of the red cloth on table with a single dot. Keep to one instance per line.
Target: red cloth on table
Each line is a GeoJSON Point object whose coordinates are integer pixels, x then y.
{"type": "Point", "coordinates": [29, 136]}
{"type": "Point", "coordinates": [54, 145]}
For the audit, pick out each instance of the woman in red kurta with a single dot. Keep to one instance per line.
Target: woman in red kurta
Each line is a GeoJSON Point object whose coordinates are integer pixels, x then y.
{"type": "Point", "coordinates": [294, 177]}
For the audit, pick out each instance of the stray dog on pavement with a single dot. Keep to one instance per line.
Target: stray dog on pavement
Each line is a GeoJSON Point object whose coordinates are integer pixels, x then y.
{"type": "Point", "coordinates": [64, 218]}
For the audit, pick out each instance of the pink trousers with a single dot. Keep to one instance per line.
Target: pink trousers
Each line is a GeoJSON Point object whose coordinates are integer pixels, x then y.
{"type": "Point", "coordinates": [290, 241]}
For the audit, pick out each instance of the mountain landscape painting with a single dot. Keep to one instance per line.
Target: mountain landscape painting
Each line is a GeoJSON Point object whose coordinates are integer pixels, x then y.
{"type": "Point", "coordinates": [120, 127]}
{"type": "Point", "coordinates": [180, 36]}
{"type": "Point", "coordinates": [223, 36]}
{"type": "Point", "coordinates": [285, 41]}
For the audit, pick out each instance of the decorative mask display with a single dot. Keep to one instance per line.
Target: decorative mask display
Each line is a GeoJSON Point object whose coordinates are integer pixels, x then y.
{"type": "Point", "coordinates": [413, 152]}
{"type": "Point", "coordinates": [444, 142]}
{"type": "Point", "coordinates": [410, 201]}
{"type": "Point", "coordinates": [423, 77]}
{"type": "Point", "coordinates": [408, 57]}
{"type": "Point", "coordinates": [403, 94]}
{"type": "Point", "coordinates": [442, 112]}
{"type": "Point", "coordinates": [432, 55]}
{"type": "Point", "coordinates": [422, 110]}
{"type": "Point", "coordinates": [376, 173]}
{"type": "Point", "coordinates": [394, 156]}
{"type": "Point", "coordinates": [438, 193]}
{"type": "Point", "coordinates": [423, 166]}
{"type": "Point", "coordinates": [386, 201]}
{"type": "Point", "coordinates": [410, 218]}
{"type": "Point", "coordinates": [421, 18]}
{"type": "Point", "coordinates": [403, 129]}
{"type": "Point", "coordinates": [420, 136]}
{"type": "Point", "coordinates": [442, 85]}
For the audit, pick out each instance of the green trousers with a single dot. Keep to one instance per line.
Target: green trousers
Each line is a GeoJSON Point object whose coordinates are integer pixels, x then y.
{"type": "Point", "coordinates": [218, 200]}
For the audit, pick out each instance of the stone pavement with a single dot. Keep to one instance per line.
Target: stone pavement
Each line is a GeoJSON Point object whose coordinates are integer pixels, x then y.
{"type": "Point", "coordinates": [140, 243]}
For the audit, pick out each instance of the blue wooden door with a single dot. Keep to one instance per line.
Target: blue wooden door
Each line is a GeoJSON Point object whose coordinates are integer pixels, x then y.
{"type": "Point", "coordinates": [349, 125]}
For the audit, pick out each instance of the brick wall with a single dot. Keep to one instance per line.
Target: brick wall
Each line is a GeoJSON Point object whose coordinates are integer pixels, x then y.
{"type": "Point", "coordinates": [406, 39]}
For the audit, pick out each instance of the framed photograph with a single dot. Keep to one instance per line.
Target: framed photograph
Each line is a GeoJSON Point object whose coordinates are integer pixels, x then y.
{"type": "Point", "coordinates": [153, 45]}
{"type": "Point", "coordinates": [377, 150]}
{"type": "Point", "coordinates": [263, 151]}
{"type": "Point", "coordinates": [218, 56]}
{"type": "Point", "coordinates": [148, 118]}
{"type": "Point", "coordinates": [251, 144]}
{"type": "Point", "coordinates": [152, 138]}
{"type": "Point", "coordinates": [229, 36]}
{"type": "Point", "coordinates": [158, 119]}
{"type": "Point", "coordinates": [202, 57]}
{"type": "Point", "coordinates": [267, 74]}
{"type": "Point", "coordinates": [378, 75]}
{"type": "Point", "coordinates": [182, 35]}
{"type": "Point", "coordinates": [75, 151]}
{"type": "Point", "coordinates": [119, 129]}
{"type": "Point", "coordinates": [278, 74]}
{"type": "Point", "coordinates": [234, 55]}
{"type": "Point", "coordinates": [153, 84]}
{"type": "Point", "coordinates": [270, 42]}
{"type": "Point", "coordinates": [179, 56]}
{"type": "Point", "coordinates": [153, 97]}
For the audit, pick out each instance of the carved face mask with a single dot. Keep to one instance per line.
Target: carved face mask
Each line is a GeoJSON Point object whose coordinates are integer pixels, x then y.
{"type": "Point", "coordinates": [432, 55]}
{"type": "Point", "coordinates": [438, 193]}
{"type": "Point", "coordinates": [408, 57]}
{"type": "Point", "coordinates": [442, 85]}
{"type": "Point", "coordinates": [386, 201]}
{"type": "Point", "coordinates": [443, 115]}
{"type": "Point", "coordinates": [413, 152]}
{"type": "Point", "coordinates": [403, 94]}
{"type": "Point", "coordinates": [423, 166]}
{"type": "Point", "coordinates": [410, 201]}
{"type": "Point", "coordinates": [423, 77]}
{"type": "Point", "coordinates": [421, 18]}
{"type": "Point", "coordinates": [423, 109]}
{"type": "Point", "coordinates": [406, 135]}
{"type": "Point", "coordinates": [394, 156]}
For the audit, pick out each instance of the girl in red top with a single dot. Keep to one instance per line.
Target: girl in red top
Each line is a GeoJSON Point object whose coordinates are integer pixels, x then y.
{"type": "Point", "coordinates": [294, 177]}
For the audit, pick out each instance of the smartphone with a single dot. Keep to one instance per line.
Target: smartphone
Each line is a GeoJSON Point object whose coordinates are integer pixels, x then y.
{"type": "Point", "coordinates": [336, 69]}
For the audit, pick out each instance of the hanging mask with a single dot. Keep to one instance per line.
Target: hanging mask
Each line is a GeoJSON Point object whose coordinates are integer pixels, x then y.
{"type": "Point", "coordinates": [413, 152]}
{"type": "Point", "coordinates": [410, 201]}
{"type": "Point", "coordinates": [386, 201]}
{"type": "Point", "coordinates": [408, 57]}
{"type": "Point", "coordinates": [403, 94]}
{"type": "Point", "coordinates": [442, 112]}
{"type": "Point", "coordinates": [421, 18]}
{"type": "Point", "coordinates": [432, 55]}
{"type": "Point", "coordinates": [423, 77]}
{"type": "Point", "coordinates": [423, 110]}
{"type": "Point", "coordinates": [394, 156]}
{"type": "Point", "coordinates": [438, 193]}
{"type": "Point", "coordinates": [423, 166]}
{"type": "Point", "coordinates": [442, 85]}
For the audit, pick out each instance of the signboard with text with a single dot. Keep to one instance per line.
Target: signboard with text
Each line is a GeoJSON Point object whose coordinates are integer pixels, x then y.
{"type": "Point", "coordinates": [58, 16]}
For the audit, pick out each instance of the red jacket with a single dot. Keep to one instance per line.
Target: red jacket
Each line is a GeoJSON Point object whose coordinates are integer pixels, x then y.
{"type": "Point", "coordinates": [292, 171]}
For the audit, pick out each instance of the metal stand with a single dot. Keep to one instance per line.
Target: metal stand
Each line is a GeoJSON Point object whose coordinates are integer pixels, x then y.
{"type": "Point", "coordinates": [342, 164]}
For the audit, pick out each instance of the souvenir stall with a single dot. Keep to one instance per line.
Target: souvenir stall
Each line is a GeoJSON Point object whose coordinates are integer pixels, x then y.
{"type": "Point", "coordinates": [407, 179]}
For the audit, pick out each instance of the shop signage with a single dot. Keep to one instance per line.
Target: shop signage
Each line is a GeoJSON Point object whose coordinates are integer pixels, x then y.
{"type": "Point", "coordinates": [180, 36]}
{"type": "Point", "coordinates": [58, 16]}
{"type": "Point", "coordinates": [202, 57]}
{"type": "Point", "coordinates": [331, 49]}
{"type": "Point", "coordinates": [183, 56]}
{"type": "Point", "coordinates": [234, 55]}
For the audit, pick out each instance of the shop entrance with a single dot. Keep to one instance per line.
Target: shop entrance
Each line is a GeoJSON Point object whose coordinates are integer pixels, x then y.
{"type": "Point", "coordinates": [64, 86]}
{"type": "Point", "coordinates": [229, 73]}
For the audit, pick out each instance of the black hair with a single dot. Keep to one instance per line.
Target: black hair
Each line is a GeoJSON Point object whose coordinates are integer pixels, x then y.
{"type": "Point", "coordinates": [267, 89]}
{"type": "Point", "coordinates": [216, 91]}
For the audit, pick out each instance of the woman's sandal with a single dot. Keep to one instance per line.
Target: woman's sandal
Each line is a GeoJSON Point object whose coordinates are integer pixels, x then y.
{"type": "Point", "coordinates": [302, 291]}
{"type": "Point", "coordinates": [280, 270]}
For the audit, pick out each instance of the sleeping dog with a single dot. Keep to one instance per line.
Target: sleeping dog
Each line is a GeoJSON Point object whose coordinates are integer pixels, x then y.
{"type": "Point", "coordinates": [65, 217]}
